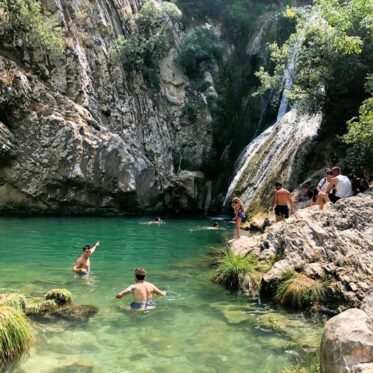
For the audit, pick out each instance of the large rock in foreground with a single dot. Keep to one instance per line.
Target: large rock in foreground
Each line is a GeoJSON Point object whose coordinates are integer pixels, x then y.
{"type": "Point", "coordinates": [347, 343]}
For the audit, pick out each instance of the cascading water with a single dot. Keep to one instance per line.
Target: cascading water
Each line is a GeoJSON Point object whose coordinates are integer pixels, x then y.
{"type": "Point", "coordinates": [289, 74]}
{"type": "Point", "coordinates": [277, 152]}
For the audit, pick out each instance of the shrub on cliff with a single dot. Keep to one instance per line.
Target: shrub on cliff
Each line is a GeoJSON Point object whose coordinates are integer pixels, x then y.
{"type": "Point", "coordinates": [24, 20]}
{"type": "Point", "coordinates": [360, 137]}
{"type": "Point", "coordinates": [15, 335]}
{"type": "Point", "coordinates": [200, 50]}
{"type": "Point", "coordinates": [150, 39]}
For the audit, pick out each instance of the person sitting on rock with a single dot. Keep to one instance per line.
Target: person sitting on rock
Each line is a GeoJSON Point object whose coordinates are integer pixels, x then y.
{"type": "Point", "coordinates": [338, 187]}
{"type": "Point", "coordinates": [142, 292]}
{"type": "Point", "coordinates": [82, 265]}
{"type": "Point", "coordinates": [280, 202]}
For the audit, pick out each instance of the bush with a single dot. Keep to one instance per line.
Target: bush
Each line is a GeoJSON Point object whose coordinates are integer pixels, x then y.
{"type": "Point", "coordinates": [150, 40]}
{"type": "Point", "coordinates": [234, 271]}
{"type": "Point", "coordinates": [360, 136]}
{"type": "Point", "coordinates": [200, 50]}
{"type": "Point", "coordinates": [299, 290]}
{"type": "Point", "coordinates": [23, 19]}
{"type": "Point", "coordinates": [15, 334]}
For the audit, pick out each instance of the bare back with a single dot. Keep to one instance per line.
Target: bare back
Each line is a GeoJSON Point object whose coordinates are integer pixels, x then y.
{"type": "Point", "coordinates": [282, 197]}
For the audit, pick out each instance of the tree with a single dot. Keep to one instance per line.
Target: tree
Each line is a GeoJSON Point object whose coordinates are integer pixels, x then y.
{"type": "Point", "coordinates": [24, 19]}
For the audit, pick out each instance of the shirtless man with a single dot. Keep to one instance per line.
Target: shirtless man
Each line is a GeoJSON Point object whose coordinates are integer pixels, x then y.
{"type": "Point", "coordinates": [280, 203]}
{"type": "Point", "coordinates": [142, 292]}
{"type": "Point", "coordinates": [82, 265]}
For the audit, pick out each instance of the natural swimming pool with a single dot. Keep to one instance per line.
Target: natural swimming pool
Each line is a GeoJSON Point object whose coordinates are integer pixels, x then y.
{"type": "Point", "coordinates": [198, 327]}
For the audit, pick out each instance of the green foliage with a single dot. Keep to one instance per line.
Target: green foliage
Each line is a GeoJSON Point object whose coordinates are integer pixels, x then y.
{"type": "Point", "coordinates": [150, 40]}
{"type": "Point", "coordinates": [24, 19]}
{"type": "Point", "coordinates": [41, 308]}
{"type": "Point", "coordinates": [360, 137]}
{"type": "Point", "coordinates": [299, 290]}
{"type": "Point", "coordinates": [59, 296]}
{"type": "Point", "coordinates": [200, 50]}
{"type": "Point", "coordinates": [15, 334]}
{"type": "Point", "coordinates": [335, 54]}
{"type": "Point", "coordinates": [234, 271]}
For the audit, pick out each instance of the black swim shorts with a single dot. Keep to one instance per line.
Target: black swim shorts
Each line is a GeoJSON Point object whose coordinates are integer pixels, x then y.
{"type": "Point", "coordinates": [333, 198]}
{"type": "Point", "coordinates": [282, 211]}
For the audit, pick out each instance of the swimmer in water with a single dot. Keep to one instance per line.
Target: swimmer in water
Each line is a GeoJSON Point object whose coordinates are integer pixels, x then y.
{"type": "Point", "coordinates": [142, 292]}
{"type": "Point", "coordinates": [82, 265]}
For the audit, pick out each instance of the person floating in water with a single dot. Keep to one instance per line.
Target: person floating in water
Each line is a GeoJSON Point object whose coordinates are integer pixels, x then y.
{"type": "Point", "coordinates": [82, 265]}
{"type": "Point", "coordinates": [280, 203]}
{"type": "Point", "coordinates": [142, 292]}
{"type": "Point", "coordinates": [239, 214]}
{"type": "Point", "coordinates": [215, 225]}
{"type": "Point", "coordinates": [157, 220]}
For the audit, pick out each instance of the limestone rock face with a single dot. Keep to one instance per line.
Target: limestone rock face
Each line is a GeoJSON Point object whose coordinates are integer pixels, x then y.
{"type": "Point", "coordinates": [347, 342]}
{"type": "Point", "coordinates": [336, 243]}
{"type": "Point", "coordinates": [80, 130]}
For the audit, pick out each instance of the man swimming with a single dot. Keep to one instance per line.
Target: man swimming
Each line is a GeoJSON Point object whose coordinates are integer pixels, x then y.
{"type": "Point", "coordinates": [82, 265]}
{"type": "Point", "coordinates": [280, 202]}
{"type": "Point", "coordinates": [142, 292]}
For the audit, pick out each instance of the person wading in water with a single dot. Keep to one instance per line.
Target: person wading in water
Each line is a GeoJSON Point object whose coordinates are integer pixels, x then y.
{"type": "Point", "coordinates": [142, 292]}
{"type": "Point", "coordinates": [82, 265]}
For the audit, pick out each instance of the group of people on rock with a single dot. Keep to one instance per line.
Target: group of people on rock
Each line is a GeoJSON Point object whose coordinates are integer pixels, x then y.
{"type": "Point", "coordinates": [331, 188]}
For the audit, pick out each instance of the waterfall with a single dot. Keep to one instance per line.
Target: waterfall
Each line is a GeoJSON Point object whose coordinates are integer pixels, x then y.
{"type": "Point", "coordinates": [289, 74]}
{"type": "Point", "coordinates": [277, 152]}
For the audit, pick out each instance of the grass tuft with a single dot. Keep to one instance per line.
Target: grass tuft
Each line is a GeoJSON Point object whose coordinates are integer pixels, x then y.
{"type": "Point", "coordinates": [235, 271]}
{"type": "Point", "coordinates": [14, 300]}
{"type": "Point", "coordinates": [15, 334]}
{"type": "Point", "coordinates": [299, 290]}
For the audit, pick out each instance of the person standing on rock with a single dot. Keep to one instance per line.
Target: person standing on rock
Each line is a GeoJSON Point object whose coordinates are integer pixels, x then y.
{"type": "Point", "coordinates": [339, 187]}
{"type": "Point", "coordinates": [238, 214]}
{"type": "Point", "coordinates": [280, 203]}
{"type": "Point", "coordinates": [142, 292]}
{"type": "Point", "coordinates": [82, 265]}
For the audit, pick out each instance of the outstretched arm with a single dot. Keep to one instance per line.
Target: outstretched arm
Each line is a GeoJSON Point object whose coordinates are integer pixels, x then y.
{"type": "Point", "coordinates": [125, 292]}
{"type": "Point", "coordinates": [158, 292]}
{"type": "Point", "coordinates": [97, 244]}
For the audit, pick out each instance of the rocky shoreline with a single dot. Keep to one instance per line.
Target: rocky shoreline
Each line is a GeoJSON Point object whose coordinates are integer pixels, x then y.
{"type": "Point", "coordinates": [333, 248]}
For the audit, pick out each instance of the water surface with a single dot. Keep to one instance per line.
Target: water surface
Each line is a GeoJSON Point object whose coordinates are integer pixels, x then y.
{"type": "Point", "coordinates": [198, 327]}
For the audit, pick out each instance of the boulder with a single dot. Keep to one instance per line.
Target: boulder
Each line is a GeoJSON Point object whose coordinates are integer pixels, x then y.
{"type": "Point", "coordinates": [347, 342]}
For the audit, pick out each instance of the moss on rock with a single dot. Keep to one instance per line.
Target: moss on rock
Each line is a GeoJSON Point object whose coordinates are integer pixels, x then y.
{"type": "Point", "coordinates": [59, 296]}
{"type": "Point", "coordinates": [15, 300]}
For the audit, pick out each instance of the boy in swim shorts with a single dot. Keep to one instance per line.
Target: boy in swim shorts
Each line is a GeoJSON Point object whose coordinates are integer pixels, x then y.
{"type": "Point", "coordinates": [142, 292]}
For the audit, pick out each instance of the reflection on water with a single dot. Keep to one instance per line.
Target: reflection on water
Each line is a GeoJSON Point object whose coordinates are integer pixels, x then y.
{"type": "Point", "coordinates": [197, 327]}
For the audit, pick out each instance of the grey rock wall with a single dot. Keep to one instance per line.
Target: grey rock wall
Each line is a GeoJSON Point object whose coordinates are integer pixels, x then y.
{"type": "Point", "coordinates": [80, 130]}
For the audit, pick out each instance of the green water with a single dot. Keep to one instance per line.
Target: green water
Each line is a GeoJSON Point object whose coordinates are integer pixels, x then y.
{"type": "Point", "coordinates": [198, 327]}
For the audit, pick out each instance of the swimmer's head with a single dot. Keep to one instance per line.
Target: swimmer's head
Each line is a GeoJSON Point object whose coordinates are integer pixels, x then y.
{"type": "Point", "coordinates": [140, 273]}
{"type": "Point", "coordinates": [87, 248]}
{"type": "Point", "coordinates": [216, 224]}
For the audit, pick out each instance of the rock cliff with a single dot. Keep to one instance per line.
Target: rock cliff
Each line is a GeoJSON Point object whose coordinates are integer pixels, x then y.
{"type": "Point", "coordinates": [81, 131]}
